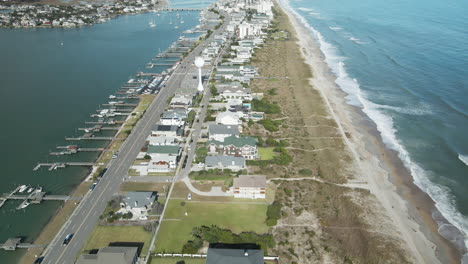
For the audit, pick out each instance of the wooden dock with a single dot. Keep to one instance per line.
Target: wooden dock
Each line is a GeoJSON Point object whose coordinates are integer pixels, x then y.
{"type": "Point", "coordinates": [57, 165]}
{"type": "Point", "coordinates": [91, 138]}
{"type": "Point", "coordinates": [14, 243]}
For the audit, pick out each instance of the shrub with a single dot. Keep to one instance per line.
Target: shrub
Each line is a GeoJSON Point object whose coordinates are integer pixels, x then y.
{"type": "Point", "coordinates": [265, 106]}
{"type": "Point", "coordinates": [305, 172]}
{"type": "Point", "coordinates": [273, 213]}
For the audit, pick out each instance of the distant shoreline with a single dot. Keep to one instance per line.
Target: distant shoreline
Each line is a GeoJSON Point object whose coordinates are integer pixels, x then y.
{"type": "Point", "coordinates": [415, 209]}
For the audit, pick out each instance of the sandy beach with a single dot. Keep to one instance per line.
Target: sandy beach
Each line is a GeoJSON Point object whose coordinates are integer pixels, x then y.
{"type": "Point", "coordinates": [409, 209]}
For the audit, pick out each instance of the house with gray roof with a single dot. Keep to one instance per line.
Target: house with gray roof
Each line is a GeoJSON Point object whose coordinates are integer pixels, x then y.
{"type": "Point", "coordinates": [111, 255]}
{"type": "Point", "coordinates": [138, 203]}
{"type": "Point", "coordinates": [224, 162]}
{"type": "Point", "coordinates": [220, 132]}
{"type": "Point", "coordinates": [234, 256]}
{"type": "Point", "coordinates": [174, 117]}
{"type": "Point", "coordinates": [235, 146]}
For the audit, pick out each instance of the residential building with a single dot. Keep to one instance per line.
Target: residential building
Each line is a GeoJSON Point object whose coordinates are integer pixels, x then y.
{"type": "Point", "coordinates": [162, 141]}
{"type": "Point", "coordinates": [235, 93]}
{"type": "Point", "coordinates": [167, 131]}
{"type": "Point", "coordinates": [228, 118]}
{"type": "Point", "coordinates": [250, 186]}
{"type": "Point", "coordinates": [235, 146]}
{"type": "Point", "coordinates": [181, 101]}
{"type": "Point", "coordinates": [138, 203]}
{"type": "Point", "coordinates": [163, 158]}
{"type": "Point", "coordinates": [224, 162]}
{"type": "Point", "coordinates": [234, 256]}
{"type": "Point", "coordinates": [111, 255]}
{"type": "Point", "coordinates": [174, 117]}
{"type": "Point", "coordinates": [220, 132]}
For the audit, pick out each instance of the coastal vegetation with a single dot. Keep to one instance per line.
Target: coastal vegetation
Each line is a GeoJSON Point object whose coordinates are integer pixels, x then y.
{"type": "Point", "coordinates": [312, 219]}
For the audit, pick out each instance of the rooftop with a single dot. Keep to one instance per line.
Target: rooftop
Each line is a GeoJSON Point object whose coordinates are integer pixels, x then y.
{"type": "Point", "coordinates": [236, 141]}
{"type": "Point", "coordinates": [250, 181]}
{"type": "Point", "coordinates": [234, 256]}
{"type": "Point", "coordinates": [223, 129]}
{"type": "Point", "coordinates": [139, 199]}
{"type": "Point", "coordinates": [213, 161]}
{"type": "Point", "coordinates": [162, 149]}
{"type": "Point", "coordinates": [110, 255]}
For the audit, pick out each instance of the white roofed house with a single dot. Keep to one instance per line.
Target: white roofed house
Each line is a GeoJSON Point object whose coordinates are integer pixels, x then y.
{"type": "Point", "coordinates": [220, 132]}
{"type": "Point", "coordinates": [181, 101]}
{"type": "Point", "coordinates": [229, 118]}
{"type": "Point", "coordinates": [235, 93]}
{"type": "Point", "coordinates": [250, 186]}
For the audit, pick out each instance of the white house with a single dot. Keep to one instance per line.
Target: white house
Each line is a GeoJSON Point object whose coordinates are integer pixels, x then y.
{"type": "Point", "coordinates": [250, 186]}
{"type": "Point", "coordinates": [228, 118]}
{"type": "Point", "coordinates": [162, 141]}
{"type": "Point", "coordinates": [174, 117]}
{"type": "Point", "coordinates": [220, 132]}
{"type": "Point", "coordinates": [163, 158]}
{"type": "Point", "coordinates": [181, 101]}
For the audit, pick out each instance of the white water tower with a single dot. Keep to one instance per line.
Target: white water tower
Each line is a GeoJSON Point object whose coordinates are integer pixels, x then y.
{"type": "Point", "coordinates": [199, 62]}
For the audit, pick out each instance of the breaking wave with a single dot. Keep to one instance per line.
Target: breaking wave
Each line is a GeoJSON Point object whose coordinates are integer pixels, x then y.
{"type": "Point", "coordinates": [444, 202]}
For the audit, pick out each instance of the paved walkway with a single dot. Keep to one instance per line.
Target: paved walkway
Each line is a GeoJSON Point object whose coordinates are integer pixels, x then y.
{"type": "Point", "coordinates": [148, 178]}
{"type": "Point", "coordinates": [350, 184]}
{"type": "Point", "coordinates": [215, 191]}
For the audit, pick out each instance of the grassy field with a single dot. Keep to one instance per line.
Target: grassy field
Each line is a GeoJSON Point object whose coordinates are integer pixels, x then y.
{"type": "Point", "coordinates": [103, 235]}
{"type": "Point", "coordinates": [144, 186]}
{"type": "Point", "coordinates": [176, 230]}
{"type": "Point", "coordinates": [266, 153]}
{"type": "Point", "coordinates": [156, 260]}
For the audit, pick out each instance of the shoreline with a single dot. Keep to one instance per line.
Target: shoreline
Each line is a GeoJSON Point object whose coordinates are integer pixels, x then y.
{"type": "Point", "coordinates": [410, 208]}
{"type": "Point", "coordinates": [62, 213]}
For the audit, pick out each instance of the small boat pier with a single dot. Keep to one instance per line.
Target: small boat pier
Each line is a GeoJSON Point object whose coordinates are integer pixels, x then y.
{"type": "Point", "coordinates": [14, 243]}
{"type": "Point", "coordinates": [57, 165]}
{"type": "Point", "coordinates": [32, 195]}
{"type": "Point", "coordinates": [73, 149]}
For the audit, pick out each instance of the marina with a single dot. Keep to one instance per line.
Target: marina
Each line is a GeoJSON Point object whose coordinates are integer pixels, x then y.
{"type": "Point", "coordinates": [32, 195]}
{"type": "Point", "coordinates": [121, 103]}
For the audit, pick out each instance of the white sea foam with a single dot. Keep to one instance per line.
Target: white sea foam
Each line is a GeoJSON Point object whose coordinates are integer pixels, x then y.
{"type": "Point", "coordinates": [305, 9]}
{"type": "Point", "coordinates": [336, 28]}
{"type": "Point", "coordinates": [441, 195]}
{"type": "Point", "coordinates": [463, 158]}
{"type": "Point", "coordinates": [356, 40]}
{"type": "Point", "coordinates": [314, 13]}
{"type": "Point", "coordinates": [417, 110]}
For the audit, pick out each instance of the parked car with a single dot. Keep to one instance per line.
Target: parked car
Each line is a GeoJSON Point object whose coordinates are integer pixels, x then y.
{"type": "Point", "coordinates": [39, 260]}
{"type": "Point", "coordinates": [67, 239]}
{"type": "Point", "coordinates": [93, 186]}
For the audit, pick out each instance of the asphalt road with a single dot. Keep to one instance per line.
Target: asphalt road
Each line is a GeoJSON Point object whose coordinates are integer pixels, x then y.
{"type": "Point", "coordinates": [85, 217]}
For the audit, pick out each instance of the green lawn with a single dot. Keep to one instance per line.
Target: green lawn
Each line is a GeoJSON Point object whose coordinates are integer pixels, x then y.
{"type": "Point", "coordinates": [175, 231]}
{"type": "Point", "coordinates": [157, 260]}
{"type": "Point", "coordinates": [266, 153]}
{"type": "Point", "coordinates": [103, 235]}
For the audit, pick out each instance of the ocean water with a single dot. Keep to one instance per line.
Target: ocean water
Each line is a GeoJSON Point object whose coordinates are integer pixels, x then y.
{"type": "Point", "coordinates": [405, 63]}
{"type": "Point", "coordinates": [51, 80]}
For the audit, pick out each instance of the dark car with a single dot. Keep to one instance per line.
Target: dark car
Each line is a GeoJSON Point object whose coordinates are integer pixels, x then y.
{"type": "Point", "coordinates": [39, 260]}
{"type": "Point", "coordinates": [93, 186]}
{"type": "Point", "coordinates": [102, 172]}
{"type": "Point", "coordinates": [67, 239]}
